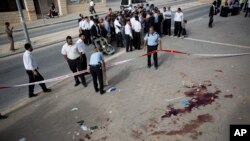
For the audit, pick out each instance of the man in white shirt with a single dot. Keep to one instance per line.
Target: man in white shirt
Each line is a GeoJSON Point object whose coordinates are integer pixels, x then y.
{"type": "Point", "coordinates": [91, 21]}
{"type": "Point", "coordinates": [82, 49]}
{"type": "Point", "coordinates": [132, 21]}
{"type": "Point", "coordinates": [167, 14]}
{"type": "Point", "coordinates": [128, 36]}
{"type": "Point", "coordinates": [178, 19]}
{"type": "Point", "coordinates": [31, 68]}
{"type": "Point", "coordinates": [92, 7]}
{"type": "Point", "coordinates": [73, 56]}
{"type": "Point", "coordinates": [118, 27]}
{"type": "Point", "coordinates": [81, 25]}
{"type": "Point", "coordinates": [137, 33]}
{"type": "Point", "coordinates": [86, 30]}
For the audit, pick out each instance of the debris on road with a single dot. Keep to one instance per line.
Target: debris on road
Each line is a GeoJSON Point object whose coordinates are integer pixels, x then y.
{"type": "Point", "coordinates": [88, 136]}
{"type": "Point", "coordinates": [112, 89]}
{"type": "Point", "coordinates": [174, 99]}
{"type": "Point", "coordinates": [219, 71]}
{"type": "Point", "coordinates": [74, 109]}
{"type": "Point", "coordinates": [84, 128]}
{"type": "Point", "coordinates": [183, 75]}
{"type": "Point", "coordinates": [184, 102]}
{"type": "Point", "coordinates": [228, 96]}
{"type": "Point", "coordinates": [80, 122]}
{"type": "Point", "coordinates": [93, 127]}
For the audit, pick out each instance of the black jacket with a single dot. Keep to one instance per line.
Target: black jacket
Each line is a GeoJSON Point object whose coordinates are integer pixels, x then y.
{"type": "Point", "coordinates": [94, 31]}
{"type": "Point", "coordinates": [212, 11]}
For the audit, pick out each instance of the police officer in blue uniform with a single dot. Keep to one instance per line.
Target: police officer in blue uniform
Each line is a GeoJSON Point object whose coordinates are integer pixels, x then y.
{"type": "Point", "coordinates": [96, 59]}
{"type": "Point", "coordinates": [151, 42]}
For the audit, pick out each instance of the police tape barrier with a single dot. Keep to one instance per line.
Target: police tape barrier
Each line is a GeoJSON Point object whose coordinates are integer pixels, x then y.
{"type": "Point", "coordinates": [119, 63]}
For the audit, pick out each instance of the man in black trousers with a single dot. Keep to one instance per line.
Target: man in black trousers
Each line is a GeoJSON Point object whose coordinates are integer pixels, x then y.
{"type": "Point", "coordinates": [73, 55]}
{"type": "Point", "coordinates": [31, 68]}
{"type": "Point", "coordinates": [96, 59]}
{"type": "Point", "coordinates": [128, 36]}
{"type": "Point", "coordinates": [211, 14]}
{"type": "Point", "coordinates": [95, 30]}
{"type": "Point", "coordinates": [151, 42]}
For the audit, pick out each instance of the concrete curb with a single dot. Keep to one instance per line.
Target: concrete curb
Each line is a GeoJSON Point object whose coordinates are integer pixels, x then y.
{"type": "Point", "coordinates": [35, 47]}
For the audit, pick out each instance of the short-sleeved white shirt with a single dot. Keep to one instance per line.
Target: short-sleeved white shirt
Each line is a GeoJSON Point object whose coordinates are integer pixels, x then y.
{"type": "Point", "coordinates": [72, 51]}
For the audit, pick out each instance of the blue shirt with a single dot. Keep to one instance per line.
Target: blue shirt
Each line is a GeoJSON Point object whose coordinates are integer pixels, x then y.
{"type": "Point", "coordinates": [106, 26]}
{"type": "Point", "coordinates": [96, 58]}
{"type": "Point", "coordinates": [156, 18]}
{"type": "Point", "coordinates": [152, 39]}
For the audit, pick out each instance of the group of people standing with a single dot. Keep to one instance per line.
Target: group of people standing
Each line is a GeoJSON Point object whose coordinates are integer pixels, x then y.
{"type": "Point", "coordinates": [128, 25]}
{"type": "Point", "coordinates": [227, 8]}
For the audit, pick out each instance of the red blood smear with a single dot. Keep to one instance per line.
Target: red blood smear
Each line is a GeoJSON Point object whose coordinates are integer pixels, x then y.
{"type": "Point", "coordinates": [87, 136]}
{"type": "Point", "coordinates": [188, 128]}
{"type": "Point", "coordinates": [200, 97]}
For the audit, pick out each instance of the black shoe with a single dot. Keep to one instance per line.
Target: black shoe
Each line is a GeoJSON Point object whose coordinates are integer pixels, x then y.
{"type": "Point", "coordinates": [149, 66]}
{"type": "Point", "coordinates": [77, 83]}
{"type": "Point", "coordinates": [84, 84]}
{"type": "Point", "coordinates": [3, 117]}
{"type": "Point", "coordinates": [47, 90]}
{"type": "Point", "coordinates": [86, 73]}
{"type": "Point", "coordinates": [102, 92]}
{"type": "Point", "coordinates": [97, 90]}
{"type": "Point", "coordinates": [33, 95]}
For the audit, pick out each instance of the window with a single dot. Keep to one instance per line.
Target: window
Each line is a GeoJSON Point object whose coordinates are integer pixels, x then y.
{"type": "Point", "coordinates": [138, 1]}
{"type": "Point", "coordinates": [124, 2]}
{"type": "Point", "coordinates": [10, 5]}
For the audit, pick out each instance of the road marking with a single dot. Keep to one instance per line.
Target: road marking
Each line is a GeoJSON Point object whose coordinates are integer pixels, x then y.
{"type": "Point", "coordinates": [217, 43]}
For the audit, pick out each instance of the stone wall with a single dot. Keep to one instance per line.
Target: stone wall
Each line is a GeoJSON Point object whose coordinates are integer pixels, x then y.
{"type": "Point", "coordinates": [12, 17]}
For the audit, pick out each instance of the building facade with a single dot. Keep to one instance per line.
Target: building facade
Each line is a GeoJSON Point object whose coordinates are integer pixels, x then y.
{"type": "Point", "coordinates": [36, 9]}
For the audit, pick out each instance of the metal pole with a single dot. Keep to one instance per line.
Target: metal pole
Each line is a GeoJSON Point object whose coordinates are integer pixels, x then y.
{"type": "Point", "coordinates": [22, 20]}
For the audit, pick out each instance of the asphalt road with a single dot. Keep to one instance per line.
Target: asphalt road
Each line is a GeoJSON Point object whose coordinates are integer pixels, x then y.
{"type": "Point", "coordinates": [51, 64]}
{"type": "Point", "coordinates": [68, 25]}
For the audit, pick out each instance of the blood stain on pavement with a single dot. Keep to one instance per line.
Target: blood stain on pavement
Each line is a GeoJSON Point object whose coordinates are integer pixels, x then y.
{"type": "Point", "coordinates": [189, 127]}
{"type": "Point", "coordinates": [200, 96]}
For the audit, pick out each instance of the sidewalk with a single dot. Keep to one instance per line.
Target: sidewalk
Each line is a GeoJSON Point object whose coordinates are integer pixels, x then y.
{"type": "Point", "coordinates": [57, 37]}
{"type": "Point", "coordinates": [134, 111]}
